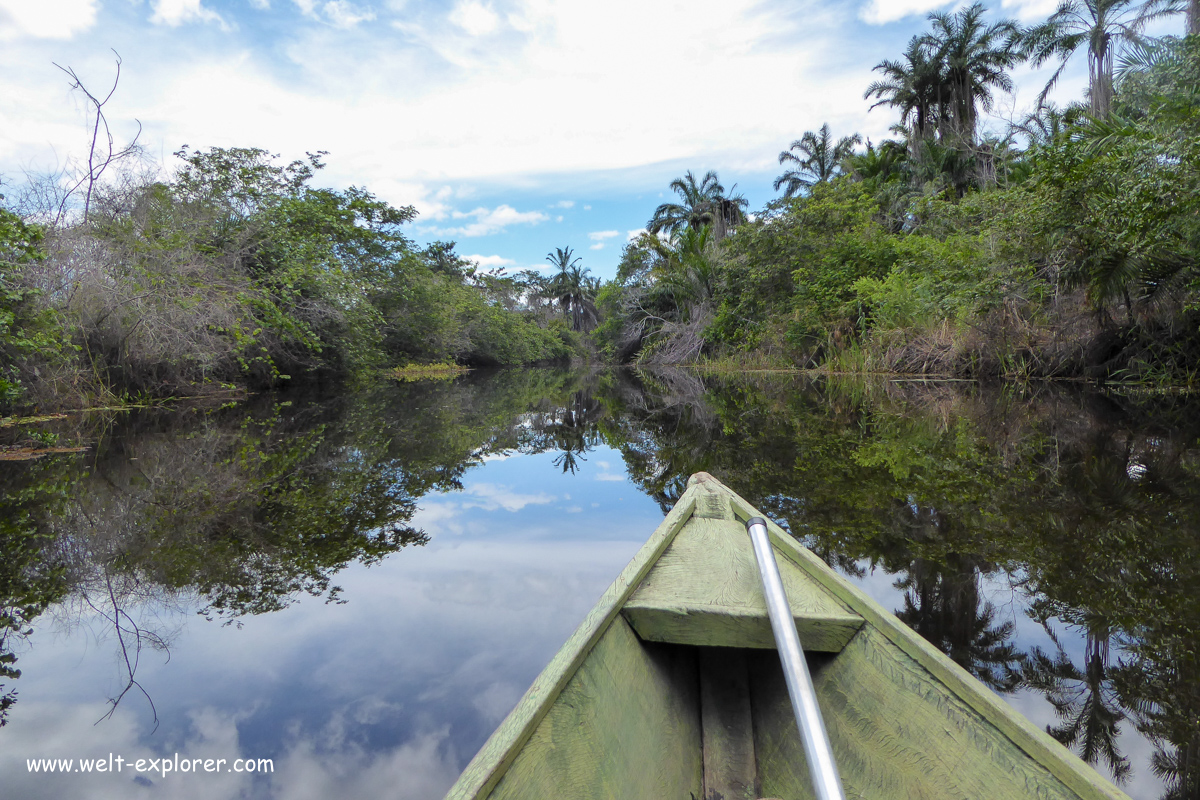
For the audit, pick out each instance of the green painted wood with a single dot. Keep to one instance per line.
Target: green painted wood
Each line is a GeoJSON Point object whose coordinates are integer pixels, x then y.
{"type": "Point", "coordinates": [896, 732]}
{"type": "Point", "coordinates": [626, 725]}
{"type": "Point", "coordinates": [736, 628]}
{"type": "Point", "coordinates": [503, 747]}
{"type": "Point", "coordinates": [705, 590]}
{"type": "Point", "coordinates": [1083, 781]}
{"type": "Point", "coordinates": [727, 730]}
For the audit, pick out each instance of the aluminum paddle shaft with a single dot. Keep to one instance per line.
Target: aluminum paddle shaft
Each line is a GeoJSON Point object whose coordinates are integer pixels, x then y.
{"type": "Point", "coordinates": [821, 765]}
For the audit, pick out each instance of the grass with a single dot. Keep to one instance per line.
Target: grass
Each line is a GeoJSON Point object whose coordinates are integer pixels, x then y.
{"type": "Point", "coordinates": [427, 372]}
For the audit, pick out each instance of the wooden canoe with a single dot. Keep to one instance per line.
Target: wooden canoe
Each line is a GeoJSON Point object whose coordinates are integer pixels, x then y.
{"type": "Point", "coordinates": [671, 689]}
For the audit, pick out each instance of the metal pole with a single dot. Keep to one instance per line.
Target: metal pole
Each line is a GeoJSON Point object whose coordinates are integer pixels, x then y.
{"type": "Point", "coordinates": [821, 765]}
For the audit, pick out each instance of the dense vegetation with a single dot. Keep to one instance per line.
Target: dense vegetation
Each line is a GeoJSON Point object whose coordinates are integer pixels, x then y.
{"type": "Point", "coordinates": [237, 272]}
{"type": "Point", "coordinates": [1065, 246]}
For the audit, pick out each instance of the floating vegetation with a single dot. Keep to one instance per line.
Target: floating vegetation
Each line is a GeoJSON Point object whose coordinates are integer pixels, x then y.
{"type": "Point", "coordinates": [427, 372]}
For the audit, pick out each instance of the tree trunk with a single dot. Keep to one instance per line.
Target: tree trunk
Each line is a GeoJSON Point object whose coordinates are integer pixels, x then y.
{"type": "Point", "coordinates": [1193, 18]}
{"type": "Point", "coordinates": [1100, 80]}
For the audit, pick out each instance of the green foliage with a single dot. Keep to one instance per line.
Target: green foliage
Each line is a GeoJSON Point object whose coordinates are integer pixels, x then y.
{"type": "Point", "coordinates": [238, 271]}
{"type": "Point", "coordinates": [28, 334]}
{"type": "Point", "coordinates": [802, 262]}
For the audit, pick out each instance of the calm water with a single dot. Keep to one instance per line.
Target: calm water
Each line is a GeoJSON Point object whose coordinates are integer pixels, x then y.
{"type": "Point", "coordinates": [361, 587]}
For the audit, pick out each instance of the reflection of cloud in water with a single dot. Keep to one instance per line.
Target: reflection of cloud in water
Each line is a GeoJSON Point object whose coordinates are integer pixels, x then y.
{"type": "Point", "coordinates": [65, 731]}
{"type": "Point", "coordinates": [497, 700]}
{"type": "Point", "coordinates": [493, 496]}
{"type": "Point", "coordinates": [317, 769]}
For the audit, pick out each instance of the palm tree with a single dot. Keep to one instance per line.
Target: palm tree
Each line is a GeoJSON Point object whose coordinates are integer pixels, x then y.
{"type": "Point", "coordinates": [703, 203]}
{"type": "Point", "coordinates": [1101, 24]}
{"type": "Point", "coordinates": [975, 59]}
{"type": "Point", "coordinates": [573, 289]}
{"type": "Point", "coordinates": [916, 87]}
{"type": "Point", "coordinates": [816, 159]}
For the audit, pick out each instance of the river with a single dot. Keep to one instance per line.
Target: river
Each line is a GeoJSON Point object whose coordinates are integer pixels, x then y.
{"type": "Point", "coordinates": [359, 586]}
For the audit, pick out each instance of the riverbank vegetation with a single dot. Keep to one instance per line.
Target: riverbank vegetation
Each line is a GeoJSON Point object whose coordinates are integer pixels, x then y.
{"type": "Point", "coordinates": [236, 273]}
{"type": "Point", "coordinates": [1063, 246]}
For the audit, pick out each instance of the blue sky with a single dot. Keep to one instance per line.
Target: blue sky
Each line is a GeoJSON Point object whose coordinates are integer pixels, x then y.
{"type": "Point", "coordinates": [514, 126]}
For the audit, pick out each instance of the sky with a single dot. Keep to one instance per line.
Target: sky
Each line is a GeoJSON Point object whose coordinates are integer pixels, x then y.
{"type": "Point", "coordinates": [514, 127]}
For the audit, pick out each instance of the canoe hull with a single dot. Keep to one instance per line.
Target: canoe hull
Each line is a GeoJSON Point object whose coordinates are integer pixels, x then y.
{"type": "Point", "coordinates": [616, 715]}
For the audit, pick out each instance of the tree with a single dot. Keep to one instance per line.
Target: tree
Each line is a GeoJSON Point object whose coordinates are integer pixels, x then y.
{"type": "Point", "coordinates": [703, 203]}
{"type": "Point", "coordinates": [914, 86]}
{"type": "Point", "coordinates": [974, 59]}
{"type": "Point", "coordinates": [816, 159]}
{"type": "Point", "coordinates": [573, 289]}
{"type": "Point", "coordinates": [1101, 25]}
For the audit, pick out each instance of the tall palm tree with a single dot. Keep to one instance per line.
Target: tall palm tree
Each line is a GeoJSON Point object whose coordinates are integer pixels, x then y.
{"type": "Point", "coordinates": [573, 289]}
{"type": "Point", "coordinates": [815, 159]}
{"type": "Point", "coordinates": [975, 59]}
{"type": "Point", "coordinates": [1100, 24]}
{"type": "Point", "coordinates": [702, 203]}
{"type": "Point", "coordinates": [916, 87]}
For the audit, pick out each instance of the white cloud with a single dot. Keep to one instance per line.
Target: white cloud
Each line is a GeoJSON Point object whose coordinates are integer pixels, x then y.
{"type": "Point", "coordinates": [1027, 10]}
{"type": "Point", "coordinates": [261, 5]}
{"type": "Point", "coordinates": [489, 221]}
{"type": "Point", "coordinates": [406, 112]}
{"type": "Point", "coordinates": [610, 477]}
{"type": "Point", "coordinates": [342, 14]}
{"type": "Point", "coordinates": [880, 12]}
{"type": "Point", "coordinates": [597, 246]}
{"type": "Point", "coordinates": [631, 235]}
{"type": "Point", "coordinates": [174, 13]}
{"type": "Point", "coordinates": [587, 208]}
{"type": "Point", "coordinates": [475, 18]}
{"type": "Point", "coordinates": [45, 19]}
{"type": "Point", "coordinates": [564, 204]}
{"type": "Point", "coordinates": [489, 262]}
{"type": "Point", "coordinates": [600, 236]}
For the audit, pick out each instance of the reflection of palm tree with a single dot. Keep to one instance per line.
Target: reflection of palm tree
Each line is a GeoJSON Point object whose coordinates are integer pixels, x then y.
{"type": "Point", "coordinates": [942, 603]}
{"type": "Point", "coordinates": [1084, 700]}
{"type": "Point", "coordinates": [573, 430]}
{"type": "Point", "coordinates": [1180, 770]}
{"type": "Point", "coordinates": [942, 600]}
{"type": "Point", "coordinates": [813, 158]}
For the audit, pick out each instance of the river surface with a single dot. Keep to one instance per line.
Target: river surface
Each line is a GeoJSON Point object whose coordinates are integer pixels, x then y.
{"type": "Point", "coordinates": [360, 586]}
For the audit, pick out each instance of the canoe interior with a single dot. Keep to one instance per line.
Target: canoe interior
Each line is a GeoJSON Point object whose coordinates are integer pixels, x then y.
{"type": "Point", "coordinates": [671, 691]}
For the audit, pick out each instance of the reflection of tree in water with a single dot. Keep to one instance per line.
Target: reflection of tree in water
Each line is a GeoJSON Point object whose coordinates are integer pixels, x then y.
{"type": "Point", "coordinates": [1093, 501]}
{"type": "Point", "coordinates": [32, 576]}
{"type": "Point", "coordinates": [242, 509]}
{"type": "Point", "coordinates": [1085, 700]}
{"type": "Point", "coordinates": [572, 431]}
{"type": "Point", "coordinates": [942, 599]}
